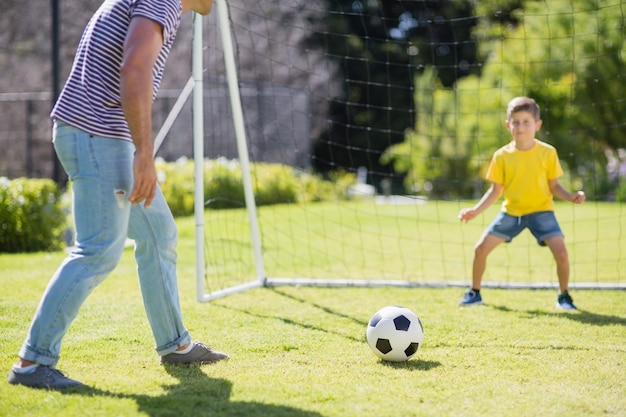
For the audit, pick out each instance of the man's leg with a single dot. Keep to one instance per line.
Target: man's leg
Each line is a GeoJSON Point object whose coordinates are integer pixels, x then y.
{"type": "Point", "coordinates": [155, 235]}
{"type": "Point", "coordinates": [100, 169]}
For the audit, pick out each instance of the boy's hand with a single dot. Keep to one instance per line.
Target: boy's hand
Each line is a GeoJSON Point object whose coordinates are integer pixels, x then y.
{"type": "Point", "coordinates": [579, 197]}
{"type": "Point", "coordinates": [467, 214]}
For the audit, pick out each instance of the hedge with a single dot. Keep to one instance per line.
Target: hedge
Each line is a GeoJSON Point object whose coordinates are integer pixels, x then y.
{"type": "Point", "coordinates": [34, 218]}
{"type": "Point", "coordinates": [31, 215]}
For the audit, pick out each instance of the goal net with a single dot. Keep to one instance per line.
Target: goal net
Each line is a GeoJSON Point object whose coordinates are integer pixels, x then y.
{"type": "Point", "coordinates": [378, 119]}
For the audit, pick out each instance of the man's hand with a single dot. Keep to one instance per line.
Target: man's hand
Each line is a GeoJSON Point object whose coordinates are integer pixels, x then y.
{"type": "Point", "coordinates": [145, 180]}
{"type": "Point", "coordinates": [143, 43]}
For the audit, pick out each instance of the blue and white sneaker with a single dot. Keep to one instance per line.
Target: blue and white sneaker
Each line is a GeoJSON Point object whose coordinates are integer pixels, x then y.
{"type": "Point", "coordinates": [565, 302]}
{"type": "Point", "coordinates": [471, 298]}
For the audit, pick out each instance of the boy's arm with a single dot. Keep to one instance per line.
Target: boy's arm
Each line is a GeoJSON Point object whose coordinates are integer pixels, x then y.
{"type": "Point", "coordinates": [558, 191]}
{"type": "Point", "coordinates": [491, 195]}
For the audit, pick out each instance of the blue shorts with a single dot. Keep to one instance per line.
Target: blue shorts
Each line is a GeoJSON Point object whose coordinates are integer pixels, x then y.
{"type": "Point", "coordinates": [542, 225]}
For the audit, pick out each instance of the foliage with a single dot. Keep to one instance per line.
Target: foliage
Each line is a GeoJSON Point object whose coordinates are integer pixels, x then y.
{"type": "Point", "coordinates": [223, 187]}
{"type": "Point", "coordinates": [454, 136]}
{"type": "Point", "coordinates": [620, 191]}
{"type": "Point", "coordinates": [552, 54]}
{"type": "Point", "coordinates": [31, 215]}
{"type": "Point", "coordinates": [578, 81]}
{"type": "Point", "coordinates": [379, 47]}
{"type": "Point", "coordinates": [176, 182]}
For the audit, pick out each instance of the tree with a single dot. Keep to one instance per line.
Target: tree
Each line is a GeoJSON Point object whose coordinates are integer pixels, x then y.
{"type": "Point", "coordinates": [379, 47]}
{"type": "Point", "coordinates": [569, 57]}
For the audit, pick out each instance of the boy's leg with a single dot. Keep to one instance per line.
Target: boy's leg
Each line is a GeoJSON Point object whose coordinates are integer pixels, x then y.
{"type": "Point", "coordinates": [546, 229]}
{"type": "Point", "coordinates": [502, 229]}
{"type": "Point", "coordinates": [559, 251]}
{"type": "Point", "coordinates": [483, 248]}
{"type": "Point", "coordinates": [557, 246]}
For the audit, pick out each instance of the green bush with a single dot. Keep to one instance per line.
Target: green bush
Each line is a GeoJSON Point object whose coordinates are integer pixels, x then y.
{"type": "Point", "coordinates": [176, 182]}
{"type": "Point", "coordinates": [274, 184]}
{"type": "Point", "coordinates": [620, 191]}
{"type": "Point", "coordinates": [31, 215]}
{"type": "Point", "coordinates": [223, 186]}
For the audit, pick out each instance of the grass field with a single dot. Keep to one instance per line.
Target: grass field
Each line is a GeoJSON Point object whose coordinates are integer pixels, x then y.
{"type": "Point", "coordinates": [301, 352]}
{"type": "Point", "coordinates": [415, 242]}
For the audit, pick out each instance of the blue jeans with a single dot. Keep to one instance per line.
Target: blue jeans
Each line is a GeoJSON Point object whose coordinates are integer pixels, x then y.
{"type": "Point", "coordinates": [101, 171]}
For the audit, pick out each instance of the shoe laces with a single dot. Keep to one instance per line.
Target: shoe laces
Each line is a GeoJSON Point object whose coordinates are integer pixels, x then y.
{"type": "Point", "coordinates": [202, 345]}
{"type": "Point", "coordinates": [53, 373]}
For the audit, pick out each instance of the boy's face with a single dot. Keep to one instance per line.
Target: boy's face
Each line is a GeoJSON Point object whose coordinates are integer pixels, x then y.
{"type": "Point", "coordinates": [523, 126]}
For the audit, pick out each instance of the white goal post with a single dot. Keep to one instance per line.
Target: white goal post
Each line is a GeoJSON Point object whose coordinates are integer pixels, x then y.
{"type": "Point", "coordinates": [240, 135]}
{"type": "Point", "coordinates": [242, 148]}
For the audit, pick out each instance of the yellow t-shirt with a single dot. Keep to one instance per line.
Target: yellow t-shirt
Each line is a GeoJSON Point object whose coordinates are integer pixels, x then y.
{"type": "Point", "coordinates": [525, 176]}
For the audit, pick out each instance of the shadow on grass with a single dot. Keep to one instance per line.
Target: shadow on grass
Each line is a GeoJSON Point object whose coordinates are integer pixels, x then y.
{"type": "Point", "coordinates": [415, 364]}
{"type": "Point", "coordinates": [581, 316]}
{"type": "Point", "coordinates": [301, 324]}
{"type": "Point", "coordinates": [319, 306]}
{"type": "Point", "coordinates": [196, 394]}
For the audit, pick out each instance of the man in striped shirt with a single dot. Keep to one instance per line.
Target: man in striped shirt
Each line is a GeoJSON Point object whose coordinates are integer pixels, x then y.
{"type": "Point", "coordinates": [103, 137]}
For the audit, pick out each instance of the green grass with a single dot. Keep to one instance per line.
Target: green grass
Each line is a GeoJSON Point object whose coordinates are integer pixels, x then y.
{"type": "Point", "coordinates": [301, 351]}
{"type": "Point", "coordinates": [421, 243]}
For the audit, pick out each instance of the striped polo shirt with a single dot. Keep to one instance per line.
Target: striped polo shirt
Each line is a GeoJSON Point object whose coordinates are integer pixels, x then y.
{"type": "Point", "coordinates": [90, 99]}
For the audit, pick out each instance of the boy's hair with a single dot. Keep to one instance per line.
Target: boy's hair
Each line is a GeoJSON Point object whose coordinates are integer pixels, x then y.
{"type": "Point", "coordinates": [523, 104]}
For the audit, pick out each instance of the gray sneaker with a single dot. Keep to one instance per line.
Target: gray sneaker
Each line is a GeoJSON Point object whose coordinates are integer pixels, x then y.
{"type": "Point", "coordinates": [43, 377]}
{"type": "Point", "coordinates": [200, 354]}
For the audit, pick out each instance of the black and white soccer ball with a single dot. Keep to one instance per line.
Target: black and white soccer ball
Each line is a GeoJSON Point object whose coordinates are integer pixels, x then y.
{"type": "Point", "coordinates": [395, 334]}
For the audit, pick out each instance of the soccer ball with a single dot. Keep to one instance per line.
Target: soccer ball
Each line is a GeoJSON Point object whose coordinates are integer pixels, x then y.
{"type": "Point", "coordinates": [395, 334]}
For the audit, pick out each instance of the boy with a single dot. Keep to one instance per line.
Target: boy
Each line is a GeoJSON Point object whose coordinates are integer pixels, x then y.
{"type": "Point", "coordinates": [526, 171]}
